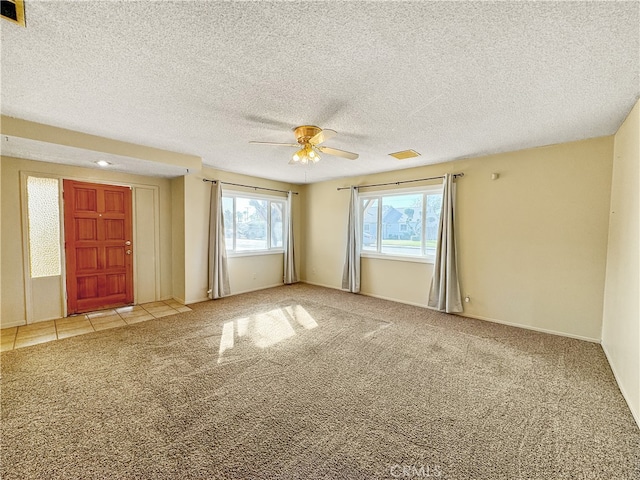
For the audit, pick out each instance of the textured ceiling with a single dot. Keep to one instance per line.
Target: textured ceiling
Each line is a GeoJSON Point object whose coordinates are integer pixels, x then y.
{"type": "Point", "coordinates": [448, 79]}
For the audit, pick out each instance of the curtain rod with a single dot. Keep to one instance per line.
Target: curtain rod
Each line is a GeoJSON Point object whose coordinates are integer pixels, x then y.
{"type": "Point", "coordinates": [455, 175]}
{"type": "Point", "coordinates": [248, 186]}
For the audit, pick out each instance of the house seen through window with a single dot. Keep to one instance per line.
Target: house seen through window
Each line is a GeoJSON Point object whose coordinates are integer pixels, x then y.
{"type": "Point", "coordinates": [402, 223]}
{"type": "Point", "coordinates": [253, 223]}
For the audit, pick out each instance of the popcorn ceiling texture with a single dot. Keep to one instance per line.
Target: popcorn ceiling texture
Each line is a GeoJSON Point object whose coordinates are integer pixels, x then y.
{"type": "Point", "coordinates": [448, 79]}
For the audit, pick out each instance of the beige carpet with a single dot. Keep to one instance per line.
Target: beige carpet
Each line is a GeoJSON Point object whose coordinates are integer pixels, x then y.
{"type": "Point", "coordinates": [303, 382]}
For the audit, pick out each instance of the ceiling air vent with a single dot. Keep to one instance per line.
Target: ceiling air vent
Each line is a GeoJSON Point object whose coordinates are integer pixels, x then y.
{"type": "Point", "coordinates": [13, 10]}
{"type": "Point", "coordinates": [404, 154]}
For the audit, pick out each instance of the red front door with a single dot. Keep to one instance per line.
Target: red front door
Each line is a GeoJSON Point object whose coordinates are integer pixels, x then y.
{"type": "Point", "coordinates": [98, 246]}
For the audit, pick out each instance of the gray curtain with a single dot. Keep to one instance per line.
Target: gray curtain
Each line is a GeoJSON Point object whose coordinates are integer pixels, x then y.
{"type": "Point", "coordinates": [218, 273]}
{"type": "Point", "coordinates": [444, 294]}
{"type": "Point", "coordinates": [351, 272]}
{"type": "Point", "coordinates": [290, 274]}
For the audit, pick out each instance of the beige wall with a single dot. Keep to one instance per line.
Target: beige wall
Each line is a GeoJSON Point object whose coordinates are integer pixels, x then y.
{"type": "Point", "coordinates": [621, 324]}
{"type": "Point", "coordinates": [0, 243]}
{"type": "Point", "coordinates": [532, 244]}
{"type": "Point", "coordinates": [268, 269]}
{"type": "Point", "coordinates": [11, 263]}
{"type": "Point", "coordinates": [177, 238]}
{"type": "Point", "coordinates": [146, 240]}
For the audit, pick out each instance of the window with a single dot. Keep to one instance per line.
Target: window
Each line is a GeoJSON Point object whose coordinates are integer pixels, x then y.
{"type": "Point", "coordinates": [253, 223]}
{"type": "Point", "coordinates": [44, 226]}
{"type": "Point", "coordinates": [401, 223]}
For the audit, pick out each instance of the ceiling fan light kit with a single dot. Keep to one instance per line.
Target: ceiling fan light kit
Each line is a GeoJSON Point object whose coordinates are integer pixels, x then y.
{"type": "Point", "coordinates": [309, 137]}
{"type": "Point", "coordinates": [305, 155]}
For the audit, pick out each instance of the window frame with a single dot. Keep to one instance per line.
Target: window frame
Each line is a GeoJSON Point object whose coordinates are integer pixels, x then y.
{"type": "Point", "coordinates": [425, 191]}
{"type": "Point", "coordinates": [235, 194]}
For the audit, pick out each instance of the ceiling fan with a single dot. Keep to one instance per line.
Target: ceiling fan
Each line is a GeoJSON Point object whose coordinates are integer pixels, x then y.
{"type": "Point", "coordinates": [310, 137]}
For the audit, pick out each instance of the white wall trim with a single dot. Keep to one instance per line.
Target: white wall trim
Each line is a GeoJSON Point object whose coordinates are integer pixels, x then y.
{"type": "Point", "coordinates": [232, 294]}
{"type": "Point", "coordinates": [189, 301]}
{"type": "Point", "coordinates": [492, 320]}
{"type": "Point", "coordinates": [382, 297]}
{"type": "Point", "coordinates": [634, 414]}
{"type": "Point", "coordinates": [535, 329]}
{"type": "Point", "coordinates": [20, 323]}
{"type": "Point", "coordinates": [322, 285]}
{"type": "Point", "coordinates": [476, 317]}
{"type": "Point", "coordinates": [255, 289]}
{"type": "Point", "coordinates": [195, 300]}
{"type": "Point", "coordinates": [13, 323]}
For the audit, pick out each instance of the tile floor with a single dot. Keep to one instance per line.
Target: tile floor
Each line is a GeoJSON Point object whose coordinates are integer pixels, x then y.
{"type": "Point", "coordinates": [26, 335]}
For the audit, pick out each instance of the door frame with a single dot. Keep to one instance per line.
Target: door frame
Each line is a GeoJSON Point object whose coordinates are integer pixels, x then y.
{"type": "Point", "coordinates": [27, 281]}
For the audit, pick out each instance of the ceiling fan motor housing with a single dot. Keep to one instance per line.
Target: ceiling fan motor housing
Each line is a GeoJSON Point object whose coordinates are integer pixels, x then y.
{"type": "Point", "coordinates": [306, 132]}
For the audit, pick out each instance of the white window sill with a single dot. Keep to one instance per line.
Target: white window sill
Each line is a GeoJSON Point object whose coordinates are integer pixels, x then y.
{"type": "Point", "coordinates": [399, 258]}
{"type": "Point", "coordinates": [254, 253]}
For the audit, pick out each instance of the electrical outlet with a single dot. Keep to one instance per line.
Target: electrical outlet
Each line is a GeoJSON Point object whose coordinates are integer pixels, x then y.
{"type": "Point", "coordinates": [254, 275]}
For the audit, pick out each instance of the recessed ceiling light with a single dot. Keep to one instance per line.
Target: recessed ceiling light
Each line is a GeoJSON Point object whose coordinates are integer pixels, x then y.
{"type": "Point", "coordinates": [403, 155]}
{"type": "Point", "coordinates": [103, 163]}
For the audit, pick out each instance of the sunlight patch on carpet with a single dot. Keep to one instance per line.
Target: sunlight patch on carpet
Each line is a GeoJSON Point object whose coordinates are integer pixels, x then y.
{"type": "Point", "coordinates": [226, 339]}
{"type": "Point", "coordinates": [265, 329]}
{"type": "Point", "coordinates": [300, 315]}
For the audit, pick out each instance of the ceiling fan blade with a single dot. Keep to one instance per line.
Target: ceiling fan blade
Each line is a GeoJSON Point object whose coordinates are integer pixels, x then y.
{"type": "Point", "coordinates": [322, 136]}
{"type": "Point", "coordinates": [338, 153]}
{"type": "Point", "coordinates": [276, 144]}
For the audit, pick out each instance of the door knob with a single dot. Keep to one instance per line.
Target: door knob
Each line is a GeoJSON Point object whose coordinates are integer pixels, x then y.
{"type": "Point", "coordinates": [128, 252]}
{"type": "Point", "coordinates": [128, 242]}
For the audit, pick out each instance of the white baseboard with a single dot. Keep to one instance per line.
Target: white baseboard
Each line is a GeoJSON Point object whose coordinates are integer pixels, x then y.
{"type": "Point", "coordinates": [529, 327]}
{"type": "Point", "coordinates": [22, 323]}
{"type": "Point", "coordinates": [373, 295]}
{"type": "Point", "coordinates": [477, 317]}
{"type": "Point", "coordinates": [256, 289]}
{"type": "Point", "coordinates": [322, 285]}
{"type": "Point", "coordinates": [194, 300]}
{"type": "Point", "coordinates": [382, 297]}
{"type": "Point", "coordinates": [634, 413]}
{"type": "Point", "coordinates": [493, 320]}
{"type": "Point", "coordinates": [206, 299]}
{"type": "Point", "coordinates": [13, 323]}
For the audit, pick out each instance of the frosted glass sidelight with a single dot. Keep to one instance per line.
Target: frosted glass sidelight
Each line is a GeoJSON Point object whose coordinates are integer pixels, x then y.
{"type": "Point", "coordinates": [44, 226]}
